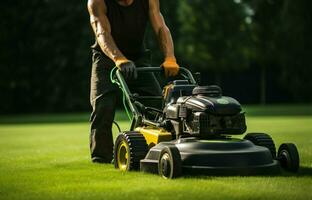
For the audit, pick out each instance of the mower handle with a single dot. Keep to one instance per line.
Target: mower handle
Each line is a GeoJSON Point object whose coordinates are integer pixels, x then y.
{"type": "Point", "coordinates": [137, 116]}
{"type": "Point", "coordinates": [160, 69]}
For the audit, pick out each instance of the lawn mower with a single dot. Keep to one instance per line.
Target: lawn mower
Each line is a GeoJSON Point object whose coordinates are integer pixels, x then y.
{"type": "Point", "coordinates": [192, 134]}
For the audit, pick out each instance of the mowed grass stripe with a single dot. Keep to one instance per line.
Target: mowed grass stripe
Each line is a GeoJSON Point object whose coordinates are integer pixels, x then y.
{"type": "Point", "coordinates": [51, 161]}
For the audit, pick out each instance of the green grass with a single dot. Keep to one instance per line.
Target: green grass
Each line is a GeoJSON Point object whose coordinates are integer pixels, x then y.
{"type": "Point", "coordinates": [47, 157]}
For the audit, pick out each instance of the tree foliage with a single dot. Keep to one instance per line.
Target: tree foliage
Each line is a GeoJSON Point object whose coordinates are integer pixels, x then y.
{"type": "Point", "coordinates": [295, 47]}
{"type": "Point", "coordinates": [45, 57]}
{"type": "Point", "coordinates": [214, 34]}
{"type": "Point", "coordinates": [283, 39]}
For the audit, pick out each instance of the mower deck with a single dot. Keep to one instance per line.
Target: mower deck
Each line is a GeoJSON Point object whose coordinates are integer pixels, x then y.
{"type": "Point", "coordinates": [216, 157]}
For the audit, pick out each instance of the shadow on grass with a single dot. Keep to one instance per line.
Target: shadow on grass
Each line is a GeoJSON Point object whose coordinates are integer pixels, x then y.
{"type": "Point", "coordinates": [303, 172]}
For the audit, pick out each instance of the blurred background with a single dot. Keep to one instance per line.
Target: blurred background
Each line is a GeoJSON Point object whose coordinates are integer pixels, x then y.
{"type": "Point", "coordinates": [258, 51]}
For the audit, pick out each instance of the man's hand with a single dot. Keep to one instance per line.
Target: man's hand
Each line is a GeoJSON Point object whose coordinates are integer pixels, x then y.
{"type": "Point", "coordinates": [171, 67]}
{"type": "Point", "coordinates": [127, 68]}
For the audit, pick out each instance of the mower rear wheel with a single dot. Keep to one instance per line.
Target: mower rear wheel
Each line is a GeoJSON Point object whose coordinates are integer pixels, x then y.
{"type": "Point", "coordinates": [262, 139]}
{"type": "Point", "coordinates": [130, 147]}
{"type": "Point", "coordinates": [170, 164]}
{"type": "Point", "coordinates": [289, 157]}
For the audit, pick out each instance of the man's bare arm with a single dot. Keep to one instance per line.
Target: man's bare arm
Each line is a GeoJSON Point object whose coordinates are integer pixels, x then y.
{"type": "Point", "coordinates": [160, 28]}
{"type": "Point", "coordinates": [101, 27]}
{"type": "Point", "coordinates": [164, 37]}
{"type": "Point", "coordinates": [102, 30]}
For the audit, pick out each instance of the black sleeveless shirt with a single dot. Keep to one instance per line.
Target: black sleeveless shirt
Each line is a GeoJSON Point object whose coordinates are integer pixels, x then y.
{"type": "Point", "coordinates": [128, 26]}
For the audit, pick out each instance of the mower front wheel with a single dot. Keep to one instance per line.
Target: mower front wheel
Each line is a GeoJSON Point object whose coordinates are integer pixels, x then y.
{"type": "Point", "coordinates": [288, 157]}
{"type": "Point", "coordinates": [170, 164]}
{"type": "Point", "coordinates": [130, 147]}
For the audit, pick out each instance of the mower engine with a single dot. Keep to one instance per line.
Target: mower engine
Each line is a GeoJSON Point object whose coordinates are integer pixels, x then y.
{"type": "Point", "coordinates": [201, 111]}
{"type": "Point", "coordinates": [191, 134]}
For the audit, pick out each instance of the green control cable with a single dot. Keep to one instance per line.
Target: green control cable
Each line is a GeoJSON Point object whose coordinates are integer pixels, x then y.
{"type": "Point", "coordinates": [123, 92]}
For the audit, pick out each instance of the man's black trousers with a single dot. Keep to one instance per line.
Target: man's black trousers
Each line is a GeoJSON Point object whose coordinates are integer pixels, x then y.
{"type": "Point", "coordinates": [103, 97]}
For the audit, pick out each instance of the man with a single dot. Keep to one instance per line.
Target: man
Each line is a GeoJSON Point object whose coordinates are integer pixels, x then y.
{"type": "Point", "coordinates": [119, 27]}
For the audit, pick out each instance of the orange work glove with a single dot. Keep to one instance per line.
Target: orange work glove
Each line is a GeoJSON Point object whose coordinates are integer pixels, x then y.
{"type": "Point", "coordinates": [170, 66]}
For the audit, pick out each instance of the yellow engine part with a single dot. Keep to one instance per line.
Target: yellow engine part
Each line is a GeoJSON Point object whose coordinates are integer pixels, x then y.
{"type": "Point", "coordinates": [154, 135]}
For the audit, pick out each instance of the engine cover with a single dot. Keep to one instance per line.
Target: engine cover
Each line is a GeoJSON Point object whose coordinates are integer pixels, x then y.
{"type": "Point", "coordinates": [205, 113]}
{"type": "Point", "coordinates": [214, 105]}
{"type": "Point", "coordinates": [208, 116]}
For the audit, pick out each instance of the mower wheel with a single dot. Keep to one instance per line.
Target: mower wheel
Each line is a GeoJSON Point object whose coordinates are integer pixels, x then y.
{"type": "Point", "coordinates": [288, 157]}
{"type": "Point", "coordinates": [170, 164]}
{"type": "Point", "coordinates": [130, 147]}
{"type": "Point", "coordinates": [264, 140]}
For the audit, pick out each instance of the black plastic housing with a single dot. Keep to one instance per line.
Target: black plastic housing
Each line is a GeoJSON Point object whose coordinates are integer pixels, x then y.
{"type": "Point", "coordinates": [216, 157]}
{"type": "Point", "coordinates": [204, 111]}
{"type": "Point", "coordinates": [206, 125]}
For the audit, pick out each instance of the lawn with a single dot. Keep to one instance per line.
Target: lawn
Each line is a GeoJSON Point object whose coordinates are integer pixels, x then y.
{"type": "Point", "coordinates": [47, 157]}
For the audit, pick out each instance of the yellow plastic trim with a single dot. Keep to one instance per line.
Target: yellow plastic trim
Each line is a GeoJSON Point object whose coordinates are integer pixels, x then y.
{"type": "Point", "coordinates": [166, 90]}
{"type": "Point", "coordinates": [154, 135]}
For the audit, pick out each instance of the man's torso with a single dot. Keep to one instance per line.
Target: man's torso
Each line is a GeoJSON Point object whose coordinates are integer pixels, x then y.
{"type": "Point", "coordinates": [128, 26]}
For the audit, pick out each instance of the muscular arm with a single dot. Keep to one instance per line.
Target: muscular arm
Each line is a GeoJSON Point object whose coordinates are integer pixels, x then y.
{"type": "Point", "coordinates": [161, 30]}
{"type": "Point", "coordinates": [101, 27]}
